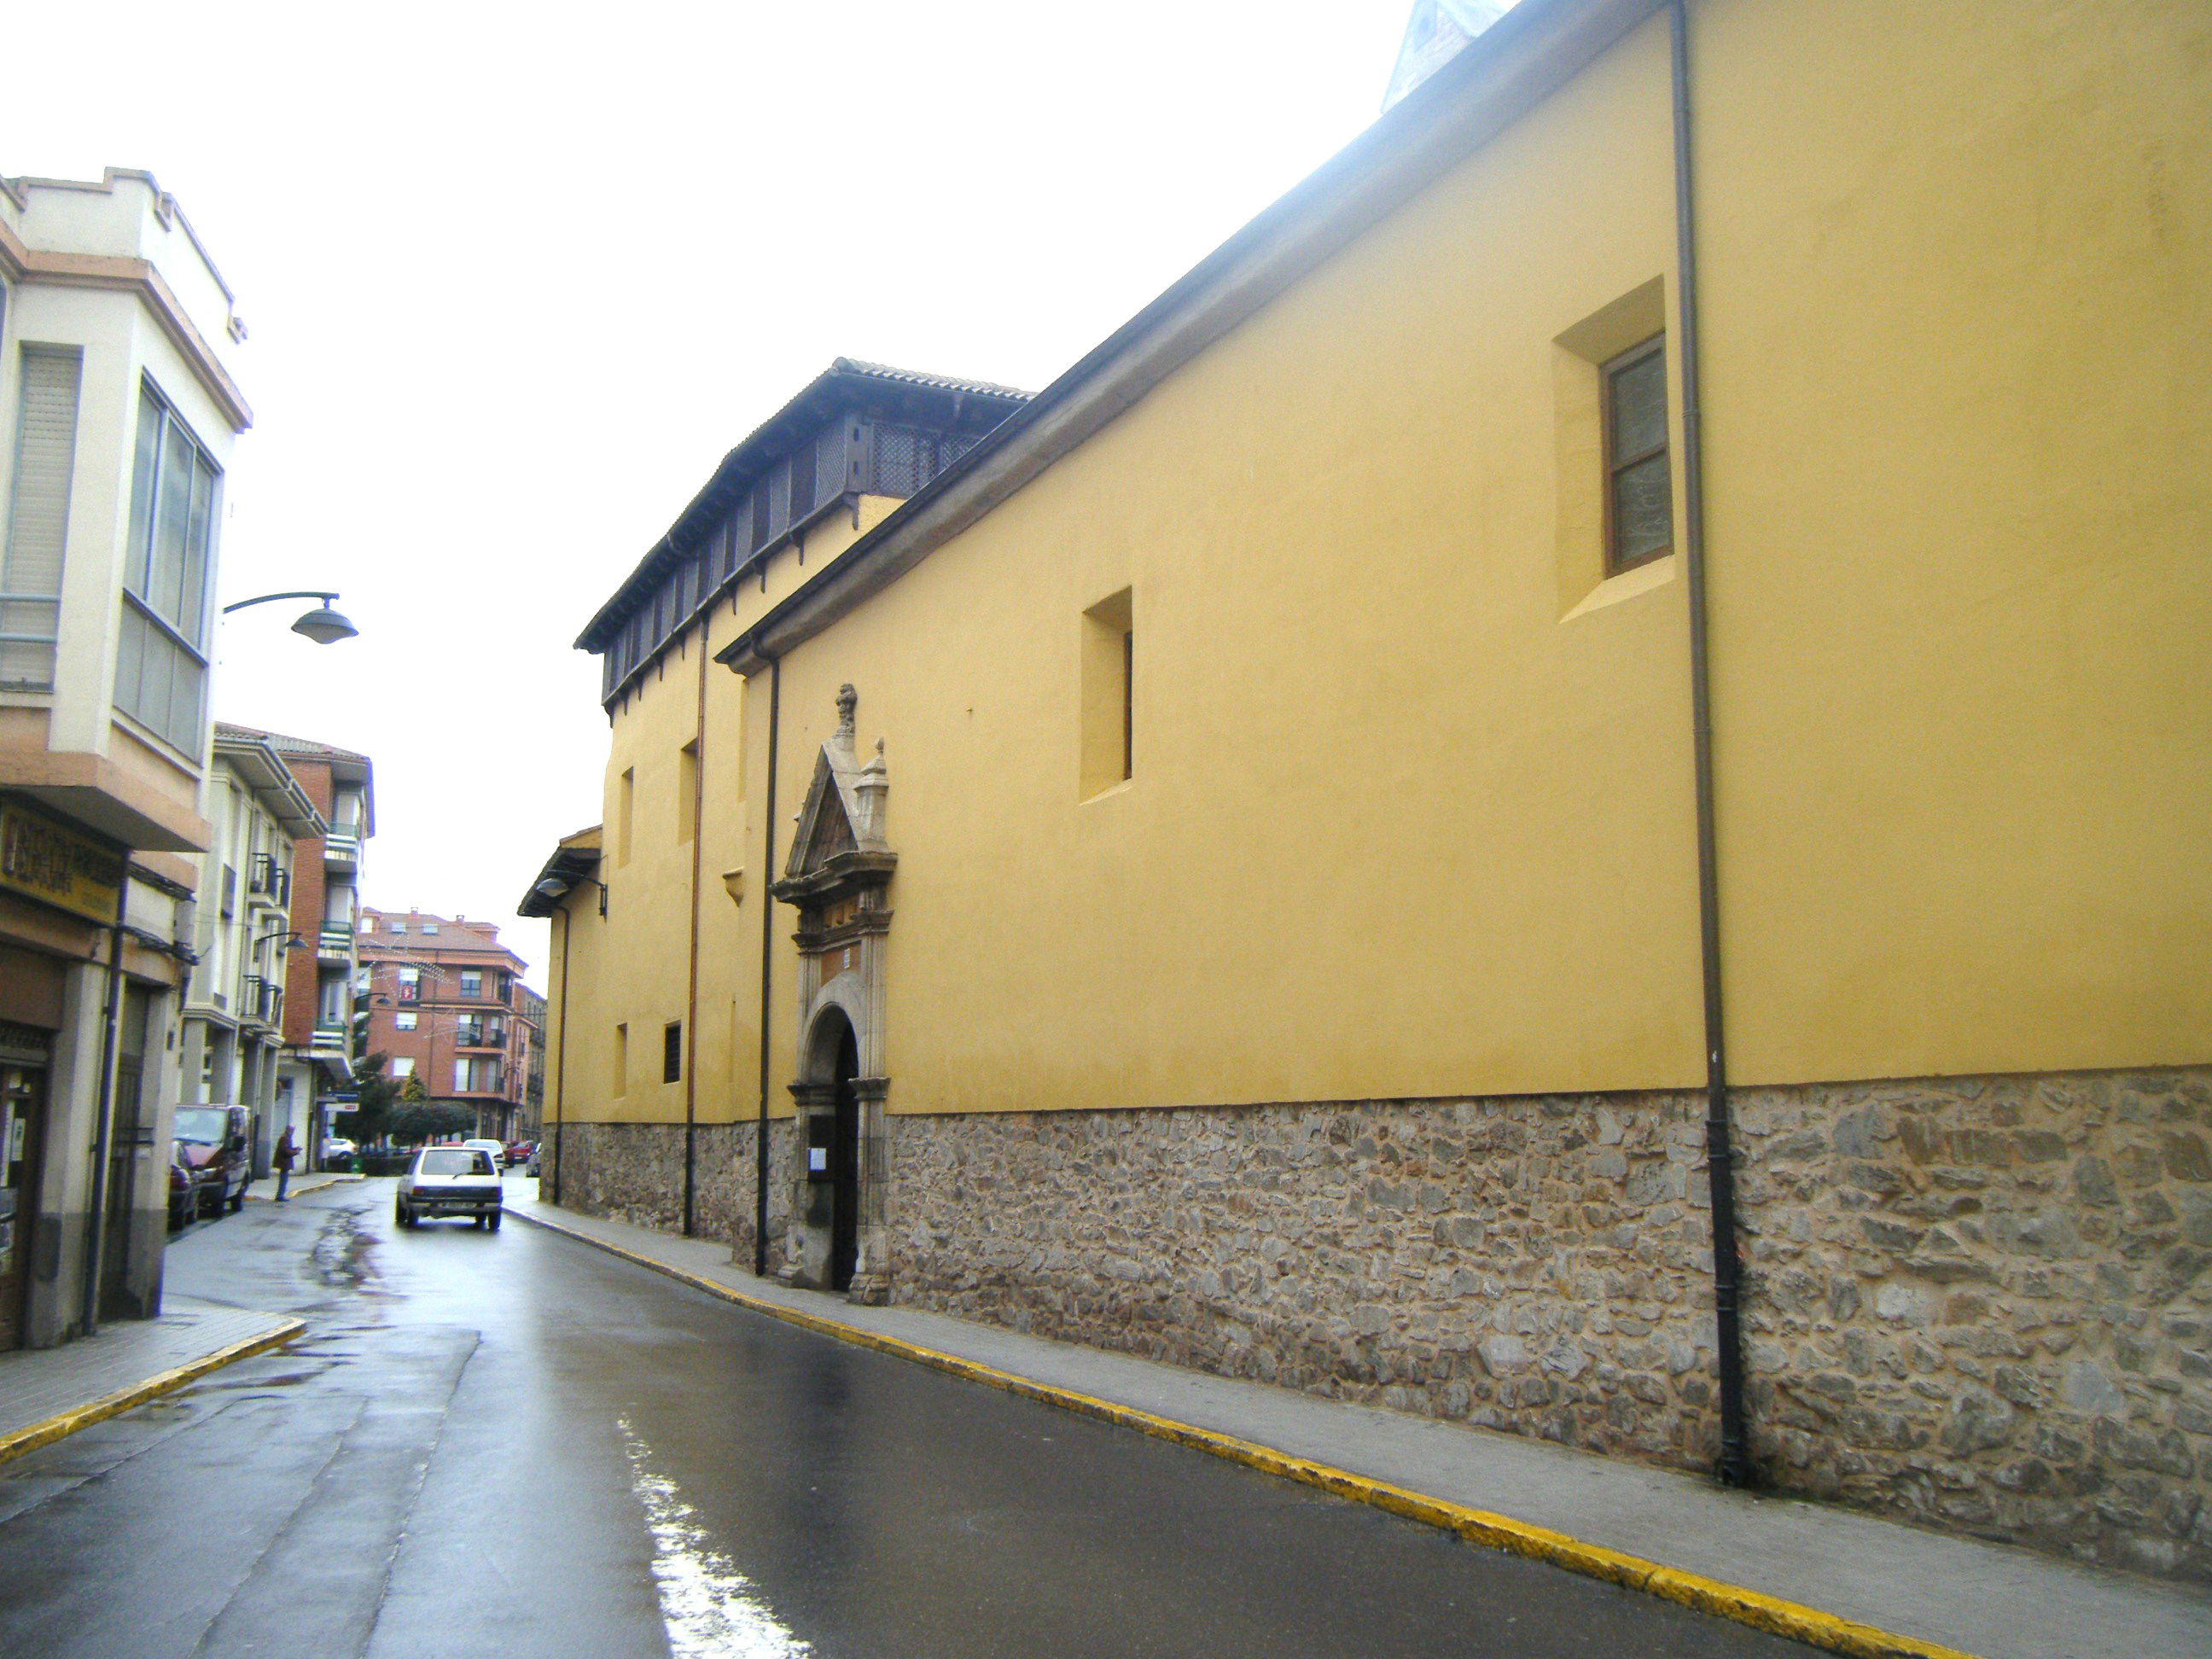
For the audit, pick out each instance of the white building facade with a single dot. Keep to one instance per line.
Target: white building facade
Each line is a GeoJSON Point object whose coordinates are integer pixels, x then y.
{"type": "Point", "coordinates": [118, 413]}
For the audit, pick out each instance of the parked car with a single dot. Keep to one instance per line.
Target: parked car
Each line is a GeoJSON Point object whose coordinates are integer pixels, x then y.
{"type": "Point", "coordinates": [519, 1152]}
{"type": "Point", "coordinates": [217, 1141]}
{"type": "Point", "coordinates": [184, 1188]}
{"type": "Point", "coordinates": [484, 1143]}
{"type": "Point", "coordinates": [335, 1147]}
{"type": "Point", "coordinates": [535, 1168]}
{"type": "Point", "coordinates": [450, 1181]}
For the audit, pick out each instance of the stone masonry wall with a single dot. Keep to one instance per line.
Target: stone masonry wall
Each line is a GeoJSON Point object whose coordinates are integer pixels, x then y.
{"type": "Point", "coordinates": [1976, 1304]}
{"type": "Point", "coordinates": [1532, 1264]}
{"type": "Point", "coordinates": [634, 1172]}
{"type": "Point", "coordinates": [1983, 1303]}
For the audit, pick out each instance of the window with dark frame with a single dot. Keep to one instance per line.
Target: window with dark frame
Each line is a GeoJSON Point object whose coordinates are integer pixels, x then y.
{"type": "Point", "coordinates": [1639, 490]}
{"type": "Point", "coordinates": [672, 1052]}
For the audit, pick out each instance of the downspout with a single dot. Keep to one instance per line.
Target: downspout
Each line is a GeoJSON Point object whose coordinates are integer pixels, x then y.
{"type": "Point", "coordinates": [561, 1054]}
{"type": "Point", "coordinates": [691, 988]}
{"type": "Point", "coordinates": [110, 1052]}
{"type": "Point", "coordinates": [1736, 1467]}
{"type": "Point", "coordinates": [767, 942]}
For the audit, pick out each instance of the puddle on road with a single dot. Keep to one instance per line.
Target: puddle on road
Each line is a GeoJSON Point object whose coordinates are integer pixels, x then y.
{"type": "Point", "coordinates": [711, 1610]}
{"type": "Point", "coordinates": [344, 1255]}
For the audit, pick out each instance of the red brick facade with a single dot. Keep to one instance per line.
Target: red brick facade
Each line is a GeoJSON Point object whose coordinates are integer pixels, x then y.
{"type": "Point", "coordinates": [444, 992]}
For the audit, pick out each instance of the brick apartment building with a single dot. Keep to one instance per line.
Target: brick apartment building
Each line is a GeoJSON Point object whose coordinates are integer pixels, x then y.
{"type": "Point", "coordinates": [446, 1004]}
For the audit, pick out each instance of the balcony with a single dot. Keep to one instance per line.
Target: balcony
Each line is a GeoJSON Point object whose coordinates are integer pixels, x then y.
{"type": "Point", "coordinates": [342, 847]}
{"type": "Point", "coordinates": [332, 1037]}
{"type": "Point", "coordinates": [471, 1037]}
{"type": "Point", "coordinates": [261, 1001]}
{"type": "Point", "coordinates": [335, 943]}
{"type": "Point", "coordinates": [269, 884]}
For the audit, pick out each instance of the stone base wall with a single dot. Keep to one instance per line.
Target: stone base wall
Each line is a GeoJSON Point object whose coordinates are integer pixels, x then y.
{"type": "Point", "coordinates": [1983, 1303]}
{"type": "Point", "coordinates": [634, 1172]}
{"type": "Point", "coordinates": [1977, 1303]}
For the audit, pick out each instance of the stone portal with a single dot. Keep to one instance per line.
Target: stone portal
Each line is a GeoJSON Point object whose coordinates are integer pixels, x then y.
{"type": "Point", "coordinates": [838, 877]}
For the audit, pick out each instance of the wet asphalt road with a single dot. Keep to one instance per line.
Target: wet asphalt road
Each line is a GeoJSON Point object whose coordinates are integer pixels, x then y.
{"type": "Point", "coordinates": [509, 1444]}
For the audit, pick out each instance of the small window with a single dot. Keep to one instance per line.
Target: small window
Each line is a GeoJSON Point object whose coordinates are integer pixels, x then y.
{"type": "Point", "coordinates": [471, 981]}
{"type": "Point", "coordinates": [398, 926]}
{"type": "Point", "coordinates": [622, 1061]}
{"type": "Point", "coordinates": [404, 1022]}
{"type": "Point", "coordinates": [429, 926]}
{"type": "Point", "coordinates": [687, 792]}
{"type": "Point", "coordinates": [1639, 516]}
{"type": "Point", "coordinates": [1107, 737]}
{"type": "Point", "coordinates": [625, 796]}
{"type": "Point", "coordinates": [404, 1067]}
{"type": "Point", "coordinates": [672, 1052]}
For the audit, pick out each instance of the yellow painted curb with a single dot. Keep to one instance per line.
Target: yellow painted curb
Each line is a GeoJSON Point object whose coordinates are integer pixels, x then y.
{"type": "Point", "coordinates": [1746, 1607]}
{"type": "Point", "coordinates": [122, 1400]}
{"type": "Point", "coordinates": [313, 1184]}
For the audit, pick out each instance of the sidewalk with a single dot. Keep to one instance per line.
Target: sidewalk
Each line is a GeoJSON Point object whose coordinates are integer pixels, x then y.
{"type": "Point", "coordinates": [47, 1393]}
{"type": "Point", "coordinates": [1939, 1592]}
{"type": "Point", "coordinates": [300, 1185]}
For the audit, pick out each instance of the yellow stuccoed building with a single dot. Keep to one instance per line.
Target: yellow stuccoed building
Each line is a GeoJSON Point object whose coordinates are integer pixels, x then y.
{"type": "Point", "coordinates": [1249, 908]}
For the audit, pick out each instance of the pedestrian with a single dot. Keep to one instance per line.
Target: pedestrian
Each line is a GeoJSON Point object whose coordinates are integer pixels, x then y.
{"type": "Point", "coordinates": [284, 1159]}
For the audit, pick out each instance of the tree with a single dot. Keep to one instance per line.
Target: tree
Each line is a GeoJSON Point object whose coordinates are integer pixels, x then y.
{"type": "Point", "coordinates": [414, 1122]}
{"type": "Point", "coordinates": [412, 1091]}
{"type": "Point", "coordinates": [374, 1095]}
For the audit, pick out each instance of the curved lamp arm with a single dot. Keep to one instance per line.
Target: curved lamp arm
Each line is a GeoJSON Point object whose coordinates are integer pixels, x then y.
{"type": "Point", "coordinates": [323, 625]}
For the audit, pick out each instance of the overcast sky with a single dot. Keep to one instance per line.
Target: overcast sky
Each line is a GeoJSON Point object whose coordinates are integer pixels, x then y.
{"type": "Point", "coordinates": [517, 278]}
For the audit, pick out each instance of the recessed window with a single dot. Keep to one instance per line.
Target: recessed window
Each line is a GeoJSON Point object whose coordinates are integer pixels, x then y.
{"type": "Point", "coordinates": [471, 981]}
{"type": "Point", "coordinates": [1639, 518]}
{"type": "Point", "coordinates": [1108, 713]}
{"type": "Point", "coordinates": [622, 1061]}
{"type": "Point", "coordinates": [687, 791]}
{"type": "Point", "coordinates": [672, 1052]}
{"type": "Point", "coordinates": [404, 1022]}
{"type": "Point", "coordinates": [625, 793]}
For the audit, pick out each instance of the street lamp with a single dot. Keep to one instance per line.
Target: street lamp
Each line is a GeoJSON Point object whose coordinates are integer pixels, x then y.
{"type": "Point", "coordinates": [323, 625]}
{"type": "Point", "coordinates": [553, 888]}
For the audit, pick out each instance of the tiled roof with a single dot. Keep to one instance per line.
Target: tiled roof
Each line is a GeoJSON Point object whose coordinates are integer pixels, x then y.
{"type": "Point", "coordinates": [845, 381]}
{"type": "Point", "coordinates": [285, 745]}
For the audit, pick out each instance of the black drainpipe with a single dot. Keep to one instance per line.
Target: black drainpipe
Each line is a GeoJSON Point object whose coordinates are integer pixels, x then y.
{"type": "Point", "coordinates": [767, 942]}
{"type": "Point", "coordinates": [1736, 1467]}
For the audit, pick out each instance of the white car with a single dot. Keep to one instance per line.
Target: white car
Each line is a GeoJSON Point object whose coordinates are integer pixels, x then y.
{"type": "Point", "coordinates": [450, 1181]}
{"type": "Point", "coordinates": [496, 1148]}
{"type": "Point", "coordinates": [338, 1146]}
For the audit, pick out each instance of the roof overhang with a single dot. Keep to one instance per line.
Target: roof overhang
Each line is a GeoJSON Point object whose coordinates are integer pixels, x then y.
{"type": "Point", "coordinates": [846, 383]}
{"type": "Point", "coordinates": [271, 781]}
{"type": "Point", "coordinates": [575, 859]}
{"type": "Point", "coordinates": [1494, 80]}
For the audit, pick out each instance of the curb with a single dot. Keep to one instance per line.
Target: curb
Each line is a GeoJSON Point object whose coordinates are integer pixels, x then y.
{"type": "Point", "coordinates": [320, 1183]}
{"type": "Point", "coordinates": [122, 1400]}
{"type": "Point", "coordinates": [1765, 1613]}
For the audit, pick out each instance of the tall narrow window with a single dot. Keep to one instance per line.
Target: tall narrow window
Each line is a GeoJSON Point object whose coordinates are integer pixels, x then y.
{"type": "Point", "coordinates": [672, 1052]}
{"type": "Point", "coordinates": [625, 795]}
{"type": "Point", "coordinates": [37, 522]}
{"type": "Point", "coordinates": [687, 791]}
{"type": "Point", "coordinates": [1109, 711]}
{"type": "Point", "coordinates": [622, 1061]}
{"type": "Point", "coordinates": [160, 670]}
{"type": "Point", "coordinates": [1639, 489]}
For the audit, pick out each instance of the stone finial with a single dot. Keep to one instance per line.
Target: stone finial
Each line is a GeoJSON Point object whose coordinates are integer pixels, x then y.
{"type": "Point", "coordinates": [869, 789]}
{"type": "Point", "coordinates": [847, 700]}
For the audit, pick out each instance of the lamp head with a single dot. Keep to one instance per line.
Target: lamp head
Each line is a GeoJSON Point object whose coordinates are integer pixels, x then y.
{"type": "Point", "coordinates": [550, 889]}
{"type": "Point", "coordinates": [325, 626]}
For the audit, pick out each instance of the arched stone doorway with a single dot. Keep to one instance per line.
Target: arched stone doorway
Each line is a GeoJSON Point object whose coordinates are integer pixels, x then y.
{"type": "Point", "coordinates": [833, 1146]}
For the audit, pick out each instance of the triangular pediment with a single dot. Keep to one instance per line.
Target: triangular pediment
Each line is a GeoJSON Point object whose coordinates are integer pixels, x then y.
{"type": "Point", "coordinates": [825, 822]}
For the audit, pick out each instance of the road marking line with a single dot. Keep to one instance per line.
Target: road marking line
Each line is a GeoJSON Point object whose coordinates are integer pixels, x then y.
{"type": "Point", "coordinates": [122, 1400]}
{"type": "Point", "coordinates": [709, 1609]}
{"type": "Point", "coordinates": [1790, 1620]}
